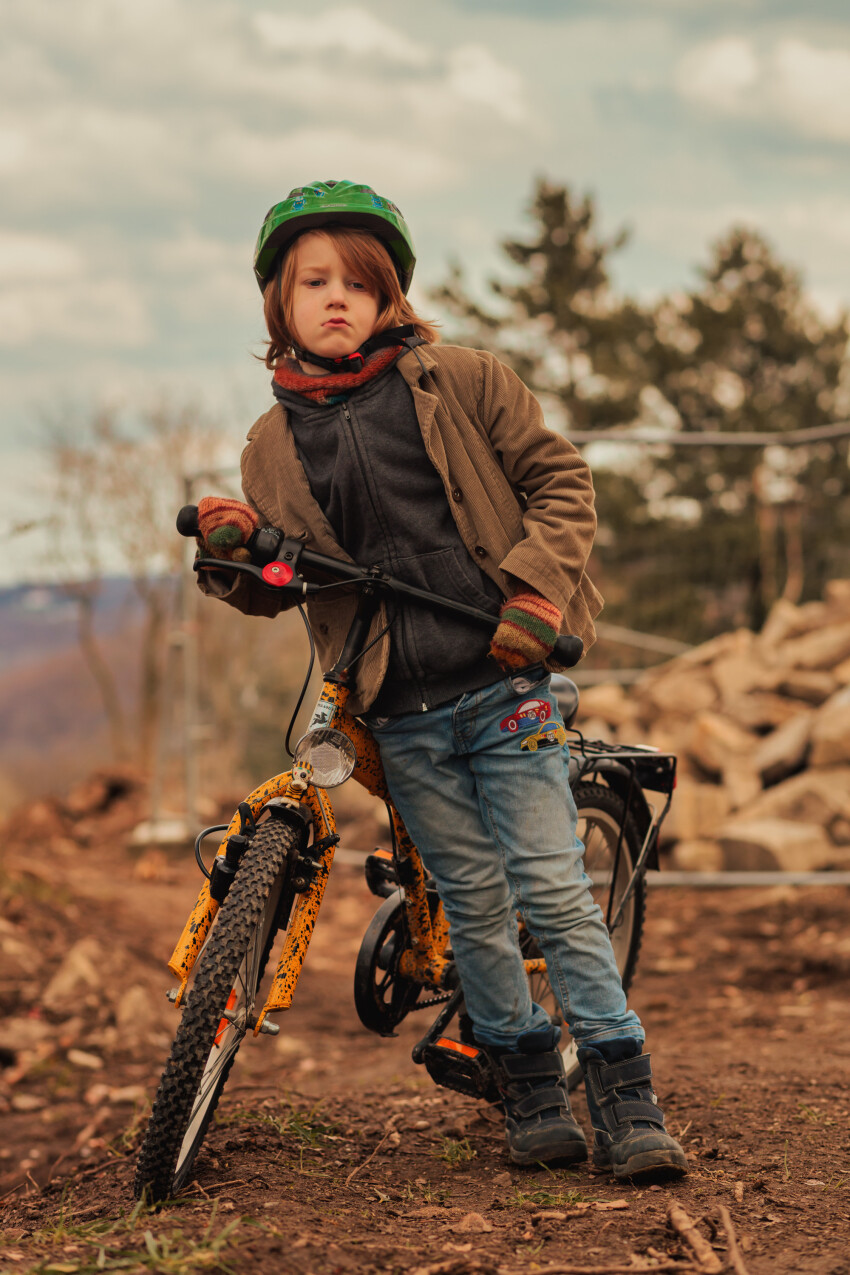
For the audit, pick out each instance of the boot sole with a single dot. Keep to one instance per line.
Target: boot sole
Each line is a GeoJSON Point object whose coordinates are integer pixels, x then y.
{"type": "Point", "coordinates": [660, 1165]}
{"type": "Point", "coordinates": [571, 1153]}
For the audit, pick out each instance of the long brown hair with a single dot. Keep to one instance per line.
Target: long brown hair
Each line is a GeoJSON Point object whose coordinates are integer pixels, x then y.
{"type": "Point", "coordinates": [364, 256]}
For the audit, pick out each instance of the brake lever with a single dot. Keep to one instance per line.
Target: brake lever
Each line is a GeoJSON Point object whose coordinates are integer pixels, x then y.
{"type": "Point", "coordinates": [274, 575]}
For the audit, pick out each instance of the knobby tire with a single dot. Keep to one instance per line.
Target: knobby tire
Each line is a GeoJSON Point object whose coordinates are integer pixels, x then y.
{"type": "Point", "coordinates": [242, 916]}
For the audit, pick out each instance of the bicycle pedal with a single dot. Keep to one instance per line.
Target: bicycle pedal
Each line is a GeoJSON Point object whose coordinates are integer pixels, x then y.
{"type": "Point", "coordinates": [381, 876]}
{"type": "Point", "coordinates": [464, 1068]}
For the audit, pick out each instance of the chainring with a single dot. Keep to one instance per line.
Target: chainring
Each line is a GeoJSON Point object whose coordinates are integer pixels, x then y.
{"type": "Point", "coordinates": [382, 995]}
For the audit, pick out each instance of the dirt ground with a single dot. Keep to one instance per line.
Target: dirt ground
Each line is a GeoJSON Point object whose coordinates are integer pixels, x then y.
{"type": "Point", "coordinates": [331, 1152]}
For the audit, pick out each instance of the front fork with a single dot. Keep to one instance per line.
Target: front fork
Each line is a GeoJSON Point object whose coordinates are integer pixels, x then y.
{"type": "Point", "coordinates": [424, 962]}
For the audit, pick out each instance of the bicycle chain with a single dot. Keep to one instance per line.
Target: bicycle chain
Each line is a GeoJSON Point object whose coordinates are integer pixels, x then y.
{"type": "Point", "coordinates": [431, 1000]}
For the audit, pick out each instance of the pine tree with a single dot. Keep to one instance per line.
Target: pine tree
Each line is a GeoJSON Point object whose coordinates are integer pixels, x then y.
{"type": "Point", "coordinates": [745, 352]}
{"type": "Point", "coordinates": [691, 540]}
{"type": "Point", "coordinates": [560, 326]}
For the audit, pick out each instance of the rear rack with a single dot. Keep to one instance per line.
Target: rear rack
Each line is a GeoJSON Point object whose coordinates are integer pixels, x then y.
{"type": "Point", "coordinates": [653, 770]}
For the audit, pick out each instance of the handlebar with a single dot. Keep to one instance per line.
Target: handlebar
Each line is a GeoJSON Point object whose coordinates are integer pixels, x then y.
{"type": "Point", "coordinates": [277, 561]}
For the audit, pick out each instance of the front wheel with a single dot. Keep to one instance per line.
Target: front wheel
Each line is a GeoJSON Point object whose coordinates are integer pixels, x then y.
{"type": "Point", "coordinates": [219, 1012]}
{"type": "Point", "coordinates": [601, 816]}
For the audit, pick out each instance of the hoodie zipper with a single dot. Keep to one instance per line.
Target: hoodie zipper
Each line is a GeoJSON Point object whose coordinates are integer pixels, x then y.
{"type": "Point", "coordinates": [359, 454]}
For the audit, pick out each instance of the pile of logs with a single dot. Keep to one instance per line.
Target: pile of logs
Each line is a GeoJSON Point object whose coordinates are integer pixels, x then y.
{"type": "Point", "coordinates": [761, 726]}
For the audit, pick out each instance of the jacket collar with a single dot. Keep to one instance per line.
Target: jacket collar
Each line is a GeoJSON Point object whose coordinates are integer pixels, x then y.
{"type": "Point", "coordinates": [415, 363]}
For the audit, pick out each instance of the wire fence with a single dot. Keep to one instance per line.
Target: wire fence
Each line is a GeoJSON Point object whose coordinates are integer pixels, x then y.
{"type": "Point", "coordinates": [773, 521]}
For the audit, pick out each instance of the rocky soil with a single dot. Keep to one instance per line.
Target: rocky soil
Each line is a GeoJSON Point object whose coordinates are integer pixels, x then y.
{"type": "Point", "coordinates": [760, 723]}
{"type": "Point", "coordinates": [332, 1152]}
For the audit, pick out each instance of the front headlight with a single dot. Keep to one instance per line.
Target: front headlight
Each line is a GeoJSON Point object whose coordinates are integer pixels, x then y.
{"type": "Point", "coordinates": [331, 754]}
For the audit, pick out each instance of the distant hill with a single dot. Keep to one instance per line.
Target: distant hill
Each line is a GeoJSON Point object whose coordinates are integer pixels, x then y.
{"type": "Point", "coordinates": [52, 726]}
{"type": "Point", "coordinates": [37, 620]}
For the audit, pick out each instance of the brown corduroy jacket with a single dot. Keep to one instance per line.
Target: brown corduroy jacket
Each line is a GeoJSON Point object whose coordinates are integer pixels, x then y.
{"type": "Point", "coordinates": [522, 498]}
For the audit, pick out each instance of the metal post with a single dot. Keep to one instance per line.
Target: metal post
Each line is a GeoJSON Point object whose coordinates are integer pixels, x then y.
{"type": "Point", "coordinates": [189, 613]}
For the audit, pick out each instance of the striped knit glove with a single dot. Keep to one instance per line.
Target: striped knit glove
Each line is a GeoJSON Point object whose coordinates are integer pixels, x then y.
{"type": "Point", "coordinates": [528, 629]}
{"type": "Point", "coordinates": [225, 526]}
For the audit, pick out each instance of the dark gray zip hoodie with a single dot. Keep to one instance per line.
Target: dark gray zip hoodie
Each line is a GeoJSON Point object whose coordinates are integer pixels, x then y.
{"type": "Point", "coordinates": [368, 470]}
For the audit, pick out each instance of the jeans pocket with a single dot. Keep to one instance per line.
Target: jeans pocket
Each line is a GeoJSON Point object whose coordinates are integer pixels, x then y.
{"type": "Point", "coordinates": [528, 679]}
{"type": "Point", "coordinates": [373, 723]}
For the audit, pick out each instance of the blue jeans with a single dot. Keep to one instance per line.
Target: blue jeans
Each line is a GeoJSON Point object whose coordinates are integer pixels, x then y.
{"type": "Point", "coordinates": [481, 783]}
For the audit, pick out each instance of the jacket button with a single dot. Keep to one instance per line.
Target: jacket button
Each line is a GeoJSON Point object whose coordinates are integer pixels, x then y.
{"type": "Point", "coordinates": [457, 494]}
{"type": "Point", "coordinates": [481, 552]}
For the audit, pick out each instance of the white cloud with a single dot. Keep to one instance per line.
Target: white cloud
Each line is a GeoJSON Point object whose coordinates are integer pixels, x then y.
{"type": "Point", "coordinates": [793, 83]}
{"type": "Point", "coordinates": [143, 106]}
{"type": "Point", "coordinates": [32, 257]}
{"type": "Point", "coordinates": [812, 88]}
{"type": "Point", "coordinates": [349, 29]}
{"type": "Point", "coordinates": [73, 312]}
{"type": "Point", "coordinates": [718, 73]}
{"type": "Point", "coordinates": [204, 277]}
{"type": "Point", "coordinates": [98, 156]}
{"type": "Point", "coordinates": [826, 220]}
{"type": "Point", "coordinates": [382, 162]}
{"type": "Point", "coordinates": [13, 147]}
{"type": "Point", "coordinates": [475, 76]}
{"type": "Point", "coordinates": [191, 252]}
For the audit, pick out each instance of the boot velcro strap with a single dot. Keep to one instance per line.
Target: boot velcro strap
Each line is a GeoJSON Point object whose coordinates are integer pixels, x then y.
{"type": "Point", "coordinates": [532, 1066]}
{"type": "Point", "coordinates": [633, 1109]}
{"type": "Point", "coordinates": [538, 1100]}
{"type": "Point", "coordinates": [628, 1073]}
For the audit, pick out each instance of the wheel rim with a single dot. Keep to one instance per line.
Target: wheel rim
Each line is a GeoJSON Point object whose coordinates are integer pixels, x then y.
{"type": "Point", "coordinates": [230, 1034]}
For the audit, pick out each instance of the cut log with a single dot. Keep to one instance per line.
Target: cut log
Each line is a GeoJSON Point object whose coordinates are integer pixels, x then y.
{"type": "Point", "coordinates": [696, 811]}
{"type": "Point", "coordinates": [831, 731]}
{"type": "Point", "coordinates": [820, 649]}
{"type": "Point", "coordinates": [682, 691]}
{"type": "Point", "coordinates": [813, 796]}
{"type": "Point", "coordinates": [778, 845]}
{"type": "Point", "coordinates": [812, 686]}
{"type": "Point", "coordinates": [784, 751]}
{"type": "Point", "coordinates": [713, 740]}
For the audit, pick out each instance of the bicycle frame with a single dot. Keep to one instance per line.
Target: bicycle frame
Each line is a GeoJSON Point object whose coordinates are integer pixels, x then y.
{"type": "Point", "coordinates": [424, 963]}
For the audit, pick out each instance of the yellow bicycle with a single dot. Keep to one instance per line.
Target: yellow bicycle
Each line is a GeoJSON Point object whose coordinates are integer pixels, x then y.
{"type": "Point", "coordinates": [270, 872]}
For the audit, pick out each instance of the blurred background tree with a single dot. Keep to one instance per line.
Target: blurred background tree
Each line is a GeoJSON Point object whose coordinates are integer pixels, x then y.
{"type": "Point", "coordinates": [691, 540]}
{"type": "Point", "coordinates": [746, 352]}
{"type": "Point", "coordinates": [558, 324]}
{"type": "Point", "coordinates": [117, 483]}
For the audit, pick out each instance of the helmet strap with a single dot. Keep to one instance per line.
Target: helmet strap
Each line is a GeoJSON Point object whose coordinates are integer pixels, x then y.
{"type": "Point", "coordinates": [353, 363]}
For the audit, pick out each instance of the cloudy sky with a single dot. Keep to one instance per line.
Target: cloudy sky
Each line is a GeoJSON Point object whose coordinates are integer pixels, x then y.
{"type": "Point", "coordinates": [142, 141]}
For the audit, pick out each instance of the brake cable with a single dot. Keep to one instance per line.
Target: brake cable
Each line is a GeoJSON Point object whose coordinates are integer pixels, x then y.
{"type": "Point", "coordinates": [305, 684]}
{"type": "Point", "coordinates": [382, 632]}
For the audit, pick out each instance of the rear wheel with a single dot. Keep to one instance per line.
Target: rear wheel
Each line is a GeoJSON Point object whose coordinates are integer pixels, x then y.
{"type": "Point", "coordinates": [601, 816]}
{"type": "Point", "coordinates": [221, 1004]}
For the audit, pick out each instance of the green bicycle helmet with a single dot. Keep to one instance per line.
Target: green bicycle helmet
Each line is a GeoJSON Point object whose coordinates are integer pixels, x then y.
{"type": "Point", "coordinates": [334, 203]}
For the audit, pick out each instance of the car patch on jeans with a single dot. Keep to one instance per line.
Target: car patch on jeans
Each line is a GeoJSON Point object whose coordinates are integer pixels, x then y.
{"type": "Point", "coordinates": [551, 736]}
{"type": "Point", "coordinates": [531, 712]}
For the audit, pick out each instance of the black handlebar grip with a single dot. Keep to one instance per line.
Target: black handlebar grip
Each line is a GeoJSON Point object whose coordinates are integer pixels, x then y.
{"type": "Point", "coordinates": [187, 521]}
{"type": "Point", "coordinates": [568, 650]}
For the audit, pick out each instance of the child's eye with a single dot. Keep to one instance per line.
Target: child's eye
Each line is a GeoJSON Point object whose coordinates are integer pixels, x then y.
{"type": "Point", "coordinates": [314, 283]}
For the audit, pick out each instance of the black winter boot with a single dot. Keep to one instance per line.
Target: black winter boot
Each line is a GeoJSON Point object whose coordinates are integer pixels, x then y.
{"type": "Point", "coordinates": [628, 1123]}
{"type": "Point", "coordinates": [539, 1125]}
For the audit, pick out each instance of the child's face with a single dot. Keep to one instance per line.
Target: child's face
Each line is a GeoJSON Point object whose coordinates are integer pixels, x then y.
{"type": "Point", "coordinates": [333, 311]}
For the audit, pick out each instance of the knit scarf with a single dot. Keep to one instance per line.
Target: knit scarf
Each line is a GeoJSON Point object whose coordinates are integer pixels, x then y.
{"type": "Point", "coordinates": [334, 387]}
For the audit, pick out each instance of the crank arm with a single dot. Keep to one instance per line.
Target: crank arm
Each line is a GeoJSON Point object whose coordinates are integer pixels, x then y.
{"type": "Point", "coordinates": [439, 1024]}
